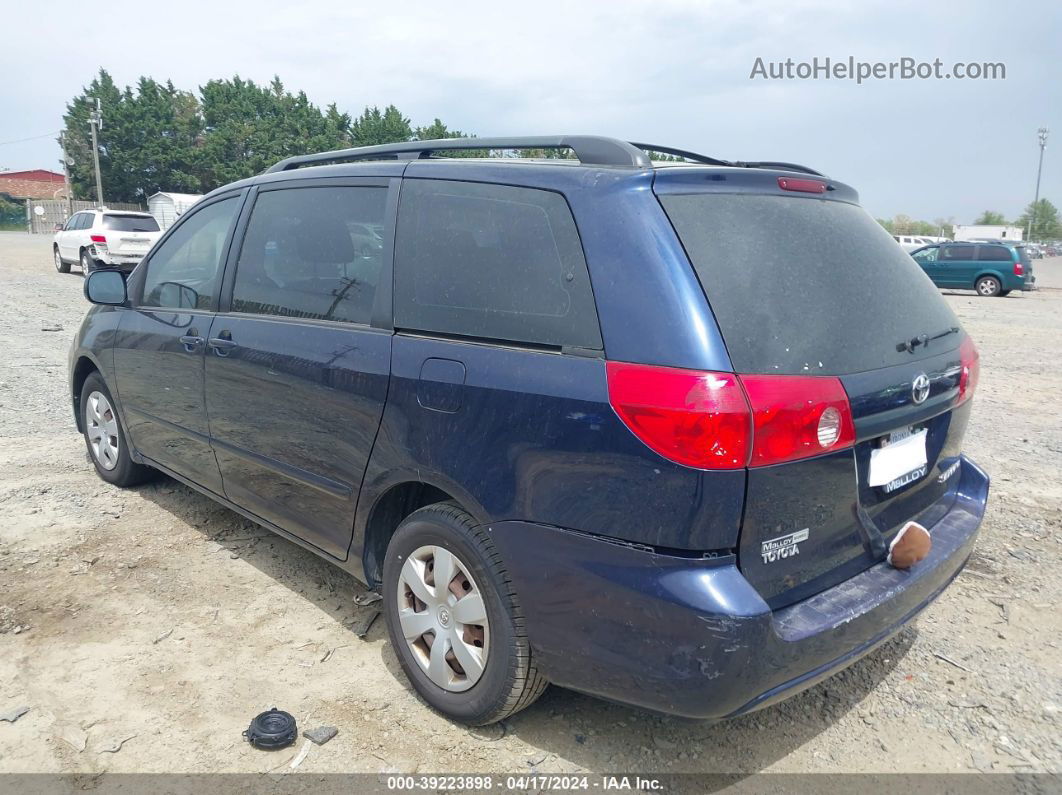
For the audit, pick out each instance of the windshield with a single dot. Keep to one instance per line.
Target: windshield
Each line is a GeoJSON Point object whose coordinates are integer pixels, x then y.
{"type": "Point", "coordinates": [807, 286]}
{"type": "Point", "coordinates": [130, 223]}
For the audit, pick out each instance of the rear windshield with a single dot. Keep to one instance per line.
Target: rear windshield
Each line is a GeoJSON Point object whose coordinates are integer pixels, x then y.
{"type": "Point", "coordinates": [807, 286]}
{"type": "Point", "coordinates": [130, 223]}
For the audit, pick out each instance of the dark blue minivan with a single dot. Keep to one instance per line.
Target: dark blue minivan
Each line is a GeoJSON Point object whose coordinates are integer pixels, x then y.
{"type": "Point", "coordinates": [644, 430]}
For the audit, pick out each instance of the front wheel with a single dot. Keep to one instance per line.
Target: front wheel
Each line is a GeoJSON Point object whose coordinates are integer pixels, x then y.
{"type": "Point", "coordinates": [105, 438]}
{"type": "Point", "coordinates": [454, 620]}
{"type": "Point", "coordinates": [62, 267]}
{"type": "Point", "coordinates": [988, 286]}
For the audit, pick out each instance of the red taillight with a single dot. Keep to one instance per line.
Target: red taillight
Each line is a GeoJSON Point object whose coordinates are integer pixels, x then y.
{"type": "Point", "coordinates": [805, 185]}
{"type": "Point", "coordinates": [797, 417]}
{"type": "Point", "coordinates": [713, 420]}
{"type": "Point", "coordinates": [971, 369]}
{"type": "Point", "coordinates": [98, 238]}
{"type": "Point", "coordinates": [696, 418]}
{"type": "Point", "coordinates": [1019, 269]}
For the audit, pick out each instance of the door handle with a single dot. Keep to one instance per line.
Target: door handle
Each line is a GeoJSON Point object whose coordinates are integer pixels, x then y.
{"type": "Point", "coordinates": [221, 345]}
{"type": "Point", "coordinates": [191, 342]}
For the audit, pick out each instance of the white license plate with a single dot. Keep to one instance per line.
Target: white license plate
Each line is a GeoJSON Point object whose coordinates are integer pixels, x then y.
{"type": "Point", "coordinates": [899, 462]}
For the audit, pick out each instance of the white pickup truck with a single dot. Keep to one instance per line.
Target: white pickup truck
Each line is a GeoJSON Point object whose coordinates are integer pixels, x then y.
{"type": "Point", "coordinates": [104, 239]}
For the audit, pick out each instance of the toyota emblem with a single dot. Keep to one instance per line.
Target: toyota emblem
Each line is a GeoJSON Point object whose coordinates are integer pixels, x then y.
{"type": "Point", "coordinates": [920, 388]}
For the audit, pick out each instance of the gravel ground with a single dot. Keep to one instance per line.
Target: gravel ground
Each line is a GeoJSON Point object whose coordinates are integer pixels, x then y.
{"type": "Point", "coordinates": [158, 618]}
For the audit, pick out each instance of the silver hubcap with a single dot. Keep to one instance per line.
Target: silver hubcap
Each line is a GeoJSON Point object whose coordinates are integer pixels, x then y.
{"type": "Point", "coordinates": [101, 427]}
{"type": "Point", "coordinates": [443, 618]}
{"type": "Point", "coordinates": [988, 287]}
{"type": "Point", "coordinates": [58, 260]}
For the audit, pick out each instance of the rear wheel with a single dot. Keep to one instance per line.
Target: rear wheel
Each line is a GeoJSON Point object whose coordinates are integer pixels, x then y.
{"type": "Point", "coordinates": [88, 264]}
{"type": "Point", "coordinates": [988, 286]}
{"type": "Point", "coordinates": [105, 437]}
{"type": "Point", "coordinates": [454, 621]}
{"type": "Point", "coordinates": [62, 267]}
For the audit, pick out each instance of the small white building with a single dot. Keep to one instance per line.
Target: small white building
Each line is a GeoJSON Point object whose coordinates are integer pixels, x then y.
{"type": "Point", "coordinates": [168, 207]}
{"type": "Point", "coordinates": [987, 232]}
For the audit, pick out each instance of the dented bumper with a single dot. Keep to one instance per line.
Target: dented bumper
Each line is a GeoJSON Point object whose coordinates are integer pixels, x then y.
{"type": "Point", "coordinates": [692, 637]}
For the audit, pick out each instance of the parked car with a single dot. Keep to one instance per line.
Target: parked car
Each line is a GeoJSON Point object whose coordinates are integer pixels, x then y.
{"type": "Point", "coordinates": [104, 239]}
{"type": "Point", "coordinates": [675, 490]}
{"type": "Point", "coordinates": [992, 269]}
{"type": "Point", "coordinates": [910, 242]}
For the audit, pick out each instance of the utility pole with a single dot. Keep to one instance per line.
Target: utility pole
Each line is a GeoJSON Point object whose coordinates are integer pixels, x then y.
{"type": "Point", "coordinates": [96, 122]}
{"type": "Point", "coordinates": [66, 175]}
{"type": "Point", "coordinates": [1042, 135]}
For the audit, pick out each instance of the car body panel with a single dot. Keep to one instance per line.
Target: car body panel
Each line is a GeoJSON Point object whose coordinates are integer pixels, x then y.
{"type": "Point", "coordinates": [691, 636]}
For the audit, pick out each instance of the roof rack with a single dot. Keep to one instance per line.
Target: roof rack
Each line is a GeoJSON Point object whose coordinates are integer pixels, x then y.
{"type": "Point", "coordinates": [590, 149]}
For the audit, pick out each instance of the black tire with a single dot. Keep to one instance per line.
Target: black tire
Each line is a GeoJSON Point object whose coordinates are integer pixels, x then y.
{"type": "Point", "coordinates": [88, 262]}
{"type": "Point", "coordinates": [125, 472]}
{"type": "Point", "coordinates": [510, 680]}
{"type": "Point", "coordinates": [60, 265]}
{"type": "Point", "coordinates": [988, 287]}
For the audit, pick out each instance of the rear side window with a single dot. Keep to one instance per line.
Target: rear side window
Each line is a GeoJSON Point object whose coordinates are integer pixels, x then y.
{"type": "Point", "coordinates": [957, 252]}
{"type": "Point", "coordinates": [492, 261]}
{"type": "Point", "coordinates": [806, 286]}
{"type": "Point", "coordinates": [995, 254]}
{"type": "Point", "coordinates": [312, 253]}
{"type": "Point", "coordinates": [130, 223]}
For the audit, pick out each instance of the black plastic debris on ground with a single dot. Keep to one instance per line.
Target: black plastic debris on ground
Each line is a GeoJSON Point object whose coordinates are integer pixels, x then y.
{"type": "Point", "coordinates": [272, 730]}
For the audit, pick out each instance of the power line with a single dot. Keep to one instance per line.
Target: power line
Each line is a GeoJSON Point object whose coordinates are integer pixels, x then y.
{"type": "Point", "coordinates": [31, 138]}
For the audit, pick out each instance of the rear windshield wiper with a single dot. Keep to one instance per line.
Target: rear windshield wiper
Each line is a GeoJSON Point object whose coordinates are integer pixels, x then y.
{"type": "Point", "coordinates": [924, 339]}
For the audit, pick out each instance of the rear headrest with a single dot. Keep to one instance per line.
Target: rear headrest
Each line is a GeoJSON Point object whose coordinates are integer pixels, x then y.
{"type": "Point", "coordinates": [323, 240]}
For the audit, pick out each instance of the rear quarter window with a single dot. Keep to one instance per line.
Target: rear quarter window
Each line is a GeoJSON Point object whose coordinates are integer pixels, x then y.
{"type": "Point", "coordinates": [995, 254]}
{"type": "Point", "coordinates": [806, 286]}
{"type": "Point", "coordinates": [492, 261]}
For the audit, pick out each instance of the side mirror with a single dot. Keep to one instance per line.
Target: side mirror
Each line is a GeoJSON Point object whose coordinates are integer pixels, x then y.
{"type": "Point", "coordinates": [106, 287]}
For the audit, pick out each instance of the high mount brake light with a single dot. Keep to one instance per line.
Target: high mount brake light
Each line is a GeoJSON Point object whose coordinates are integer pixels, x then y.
{"type": "Point", "coordinates": [803, 185]}
{"type": "Point", "coordinates": [712, 420]}
{"type": "Point", "coordinates": [971, 369]}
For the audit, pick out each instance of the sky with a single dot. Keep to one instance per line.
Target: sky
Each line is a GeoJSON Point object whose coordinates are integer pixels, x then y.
{"type": "Point", "coordinates": [671, 72]}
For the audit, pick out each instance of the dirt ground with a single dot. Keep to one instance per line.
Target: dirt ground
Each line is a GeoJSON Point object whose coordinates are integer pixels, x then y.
{"type": "Point", "coordinates": [158, 618]}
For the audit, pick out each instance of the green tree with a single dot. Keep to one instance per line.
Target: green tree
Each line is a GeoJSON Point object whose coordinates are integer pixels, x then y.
{"type": "Point", "coordinates": [248, 128]}
{"type": "Point", "coordinates": [990, 218]}
{"type": "Point", "coordinates": [373, 127]}
{"type": "Point", "coordinates": [1041, 219]}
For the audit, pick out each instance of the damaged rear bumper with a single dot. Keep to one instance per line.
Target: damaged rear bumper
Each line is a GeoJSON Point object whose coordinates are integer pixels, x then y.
{"type": "Point", "coordinates": [690, 636]}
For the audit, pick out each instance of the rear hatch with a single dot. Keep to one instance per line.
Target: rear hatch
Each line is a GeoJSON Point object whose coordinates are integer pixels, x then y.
{"type": "Point", "coordinates": [130, 235]}
{"type": "Point", "coordinates": [808, 284]}
{"type": "Point", "coordinates": [1026, 265]}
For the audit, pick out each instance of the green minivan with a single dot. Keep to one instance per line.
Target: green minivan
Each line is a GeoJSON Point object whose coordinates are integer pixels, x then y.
{"type": "Point", "coordinates": [992, 269]}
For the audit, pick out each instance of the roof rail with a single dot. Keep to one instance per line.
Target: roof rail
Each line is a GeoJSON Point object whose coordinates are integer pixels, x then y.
{"type": "Point", "coordinates": [590, 149]}
{"type": "Point", "coordinates": [713, 161]}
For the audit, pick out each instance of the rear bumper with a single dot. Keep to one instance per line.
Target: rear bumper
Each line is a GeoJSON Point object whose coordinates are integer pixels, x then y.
{"type": "Point", "coordinates": [692, 637]}
{"type": "Point", "coordinates": [123, 261]}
